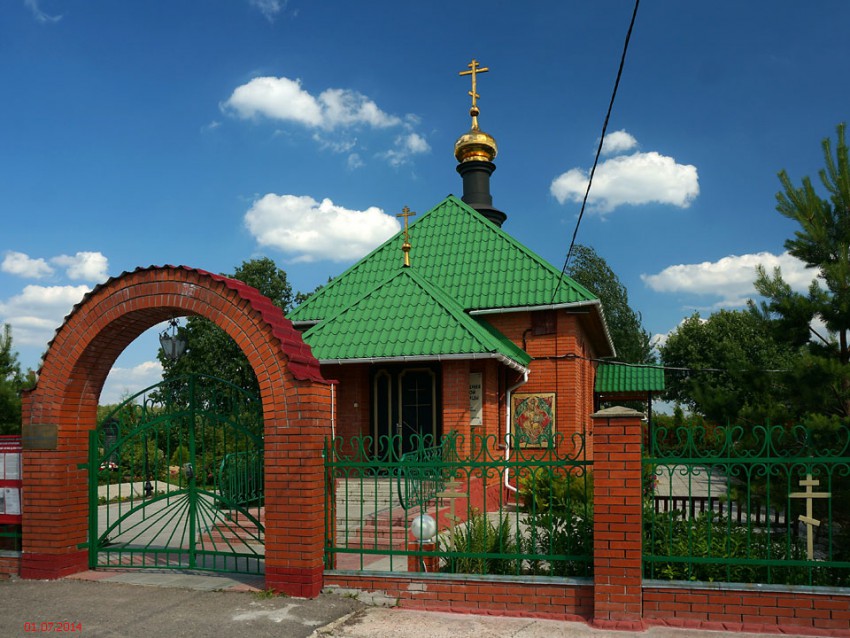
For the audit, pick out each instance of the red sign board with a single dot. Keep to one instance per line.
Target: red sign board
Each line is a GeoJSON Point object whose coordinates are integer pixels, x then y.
{"type": "Point", "coordinates": [11, 479]}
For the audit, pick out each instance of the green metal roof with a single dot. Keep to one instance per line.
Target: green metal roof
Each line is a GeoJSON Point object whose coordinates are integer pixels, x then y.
{"type": "Point", "coordinates": [611, 377]}
{"type": "Point", "coordinates": [406, 317]}
{"type": "Point", "coordinates": [472, 260]}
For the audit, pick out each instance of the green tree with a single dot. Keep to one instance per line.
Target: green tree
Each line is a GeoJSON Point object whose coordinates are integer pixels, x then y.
{"type": "Point", "coordinates": [12, 381]}
{"type": "Point", "coordinates": [210, 350]}
{"type": "Point", "coordinates": [822, 242]}
{"type": "Point", "coordinates": [719, 367]}
{"type": "Point", "coordinates": [631, 341]}
{"type": "Point", "coordinates": [301, 297]}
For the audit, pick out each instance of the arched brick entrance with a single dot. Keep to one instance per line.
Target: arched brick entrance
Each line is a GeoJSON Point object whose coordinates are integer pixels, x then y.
{"type": "Point", "coordinates": [62, 409]}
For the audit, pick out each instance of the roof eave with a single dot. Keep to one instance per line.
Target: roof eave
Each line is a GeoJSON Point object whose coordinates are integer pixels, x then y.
{"type": "Point", "coordinates": [515, 365]}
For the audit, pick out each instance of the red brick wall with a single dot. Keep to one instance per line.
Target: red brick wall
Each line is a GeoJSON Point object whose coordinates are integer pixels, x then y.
{"type": "Point", "coordinates": [352, 396]}
{"type": "Point", "coordinates": [466, 595]}
{"type": "Point", "coordinates": [10, 565]}
{"type": "Point", "coordinates": [455, 392]}
{"type": "Point", "coordinates": [456, 413]}
{"type": "Point", "coordinates": [728, 609]}
{"type": "Point", "coordinates": [617, 519]}
{"type": "Point", "coordinates": [553, 369]}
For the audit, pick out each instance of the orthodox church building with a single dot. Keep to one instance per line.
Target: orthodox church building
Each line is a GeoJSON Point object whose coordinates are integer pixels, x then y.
{"type": "Point", "coordinates": [453, 325]}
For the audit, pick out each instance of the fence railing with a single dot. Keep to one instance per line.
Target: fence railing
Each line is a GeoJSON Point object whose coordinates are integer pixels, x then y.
{"type": "Point", "coordinates": [422, 474]}
{"type": "Point", "coordinates": [526, 509]}
{"type": "Point", "coordinates": [240, 477]}
{"type": "Point", "coordinates": [767, 504]}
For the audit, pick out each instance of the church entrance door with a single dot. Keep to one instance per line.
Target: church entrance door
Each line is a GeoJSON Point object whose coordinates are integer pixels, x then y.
{"type": "Point", "coordinates": [406, 409]}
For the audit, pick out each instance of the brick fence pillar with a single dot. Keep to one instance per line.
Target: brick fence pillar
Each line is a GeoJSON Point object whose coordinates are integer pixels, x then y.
{"type": "Point", "coordinates": [617, 519]}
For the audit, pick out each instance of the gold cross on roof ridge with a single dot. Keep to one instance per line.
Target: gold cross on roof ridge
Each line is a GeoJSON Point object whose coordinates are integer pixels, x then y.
{"type": "Point", "coordinates": [474, 70]}
{"type": "Point", "coordinates": [405, 247]}
{"type": "Point", "coordinates": [405, 212]}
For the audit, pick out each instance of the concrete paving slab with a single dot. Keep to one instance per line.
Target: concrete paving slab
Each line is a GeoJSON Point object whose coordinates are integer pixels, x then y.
{"type": "Point", "coordinates": [106, 608]}
{"type": "Point", "coordinates": [400, 623]}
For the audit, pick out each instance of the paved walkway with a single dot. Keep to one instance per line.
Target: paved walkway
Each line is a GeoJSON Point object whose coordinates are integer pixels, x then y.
{"type": "Point", "coordinates": [141, 604]}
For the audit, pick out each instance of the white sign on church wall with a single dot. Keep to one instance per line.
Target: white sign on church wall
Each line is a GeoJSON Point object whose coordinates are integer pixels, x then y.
{"type": "Point", "coordinates": [476, 398]}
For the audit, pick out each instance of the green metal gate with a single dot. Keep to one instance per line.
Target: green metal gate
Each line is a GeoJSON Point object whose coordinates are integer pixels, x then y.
{"type": "Point", "coordinates": [176, 479]}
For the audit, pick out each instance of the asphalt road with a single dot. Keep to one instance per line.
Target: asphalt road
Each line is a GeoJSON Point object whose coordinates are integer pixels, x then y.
{"type": "Point", "coordinates": [88, 609]}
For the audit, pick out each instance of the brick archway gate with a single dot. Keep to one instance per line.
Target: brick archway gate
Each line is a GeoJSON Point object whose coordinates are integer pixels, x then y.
{"type": "Point", "coordinates": [59, 413]}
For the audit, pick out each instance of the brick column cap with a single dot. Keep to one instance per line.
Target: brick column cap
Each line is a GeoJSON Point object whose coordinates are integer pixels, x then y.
{"type": "Point", "coordinates": [617, 412]}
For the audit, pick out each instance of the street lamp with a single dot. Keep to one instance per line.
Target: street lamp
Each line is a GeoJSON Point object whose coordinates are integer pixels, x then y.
{"type": "Point", "coordinates": [423, 528]}
{"type": "Point", "coordinates": [173, 344]}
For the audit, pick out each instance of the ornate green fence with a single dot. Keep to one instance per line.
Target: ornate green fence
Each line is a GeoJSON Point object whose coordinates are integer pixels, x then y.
{"type": "Point", "coordinates": [526, 509]}
{"type": "Point", "coordinates": [766, 504]}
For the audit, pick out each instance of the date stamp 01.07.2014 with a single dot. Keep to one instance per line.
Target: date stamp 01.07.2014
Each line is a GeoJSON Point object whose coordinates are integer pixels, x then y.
{"type": "Point", "coordinates": [52, 626]}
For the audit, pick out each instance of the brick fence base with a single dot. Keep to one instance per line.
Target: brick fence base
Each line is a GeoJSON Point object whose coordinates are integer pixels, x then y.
{"type": "Point", "coordinates": [720, 607]}
{"type": "Point", "coordinates": [556, 599]}
{"type": "Point", "coordinates": [818, 611]}
{"type": "Point", "coordinates": [10, 564]}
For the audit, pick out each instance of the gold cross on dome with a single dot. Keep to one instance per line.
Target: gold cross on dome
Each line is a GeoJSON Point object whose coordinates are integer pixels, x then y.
{"type": "Point", "coordinates": [474, 70]}
{"type": "Point", "coordinates": [808, 519]}
{"type": "Point", "coordinates": [405, 247]}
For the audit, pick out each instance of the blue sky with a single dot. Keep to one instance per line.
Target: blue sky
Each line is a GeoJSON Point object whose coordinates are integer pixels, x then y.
{"type": "Point", "coordinates": [209, 132]}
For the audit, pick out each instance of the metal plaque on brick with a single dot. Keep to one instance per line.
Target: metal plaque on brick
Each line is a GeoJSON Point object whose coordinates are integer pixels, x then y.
{"type": "Point", "coordinates": [39, 436]}
{"type": "Point", "coordinates": [476, 398]}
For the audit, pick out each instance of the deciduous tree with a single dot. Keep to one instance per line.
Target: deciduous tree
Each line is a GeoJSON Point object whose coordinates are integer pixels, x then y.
{"type": "Point", "coordinates": [210, 350]}
{"type": "Point", "coordinates": [631, 341]}
{"type": "Point", "coordinates": [727, 367]}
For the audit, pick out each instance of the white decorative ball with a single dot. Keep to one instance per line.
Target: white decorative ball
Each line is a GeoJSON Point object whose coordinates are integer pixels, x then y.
{"type": "Point", "coordinates": [423, 527]}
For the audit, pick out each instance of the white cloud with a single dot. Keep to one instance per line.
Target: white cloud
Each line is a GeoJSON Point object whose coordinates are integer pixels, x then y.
{"type": "Point", "coordinates": [334, 116]}
{"type": "Point", "coordinates": [275, 98]}
{"type": "Point", "coordinates": [23, 265]}
{"type": "Point", "coordinates": [38, 311]}
{"type": "Point", "coordinates": [343, 107]}
{"type": "Point", "coordinates": [85, 266]}
{"type": "Point", "coordinates": [406, 146]}
{"type": "Point", "coordinates": [639, 178]}
{"type": "Point", "coordinates": [618, 142]}
{"type": "Point", "coordinates": [311, 230]}
{"type": "Point", "coordinates": [123, 382]}
{"type": "Point", "coordinates": [40, 15]}
{"type": "Point", "coordinates": [658, 340]}
{"type": "Point", "coordinates": [354, 161]}
{"type": "Point", "coordinates": [269, 8]}
{"type": "Point", "coordinates": [284, 99]}
{"type": "Point", "coordinates": [730, 278]}
{"type": "Point", "coordinates": [343, 145]}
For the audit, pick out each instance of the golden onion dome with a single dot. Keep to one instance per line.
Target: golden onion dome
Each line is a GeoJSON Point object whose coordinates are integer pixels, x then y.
{"type": "Point", "coordinates": [475, 146]}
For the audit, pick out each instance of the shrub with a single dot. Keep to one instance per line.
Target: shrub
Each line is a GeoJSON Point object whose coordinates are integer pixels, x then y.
{"type": "Point", "coordinates": [479, 545]}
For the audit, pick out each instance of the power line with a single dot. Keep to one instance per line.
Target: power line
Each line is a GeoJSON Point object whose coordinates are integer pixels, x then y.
{"type": "Point", "coordinates": [598, 148]}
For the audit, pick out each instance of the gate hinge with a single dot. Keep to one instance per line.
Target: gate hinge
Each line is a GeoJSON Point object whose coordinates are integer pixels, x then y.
{"type": "Point", "coordinates": [82, 466]}
{"type": "Point", "coordinates": [82, 545]}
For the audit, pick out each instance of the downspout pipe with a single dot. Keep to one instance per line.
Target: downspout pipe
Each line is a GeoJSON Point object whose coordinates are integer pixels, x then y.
{"type": "Point", "coordinates": [508, 442]}
{"type": "Point", "coordinates": [333, 417]}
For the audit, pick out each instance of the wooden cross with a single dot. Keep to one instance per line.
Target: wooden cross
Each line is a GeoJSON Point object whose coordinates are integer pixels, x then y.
{"type": "Point", "coordinates": [808, 519]}
{"type": "Point", "coordinates": [405, 247]}
{"type": "Point", "coordinates": [474, 69]}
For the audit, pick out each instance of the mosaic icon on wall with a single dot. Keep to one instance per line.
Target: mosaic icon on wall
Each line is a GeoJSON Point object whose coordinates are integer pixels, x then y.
{"type": "Point", "coordinates": [533, 418]}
